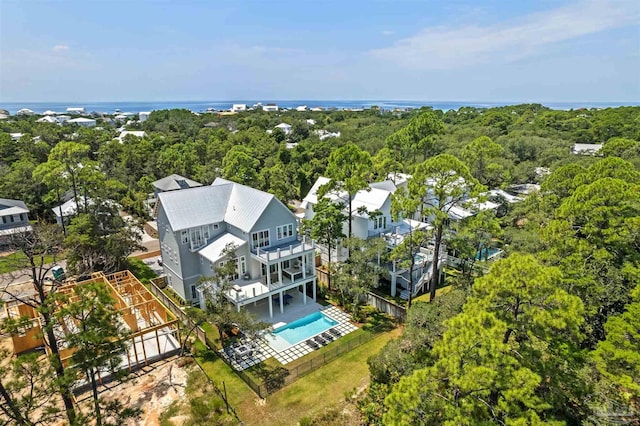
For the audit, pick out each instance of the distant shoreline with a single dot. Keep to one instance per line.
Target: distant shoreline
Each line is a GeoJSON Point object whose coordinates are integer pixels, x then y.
{"type": "Point", "coordinates": [201, 106]}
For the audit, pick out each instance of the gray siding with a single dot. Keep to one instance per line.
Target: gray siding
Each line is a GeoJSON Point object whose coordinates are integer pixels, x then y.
{"type": "Point", "coordinates": [274, 215]}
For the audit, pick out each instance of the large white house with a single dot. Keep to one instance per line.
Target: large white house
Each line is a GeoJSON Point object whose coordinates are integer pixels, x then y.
{"type": "Point", "coordinates": [196, 225]}
{"type": "Point", "coordinates": [372, 218]}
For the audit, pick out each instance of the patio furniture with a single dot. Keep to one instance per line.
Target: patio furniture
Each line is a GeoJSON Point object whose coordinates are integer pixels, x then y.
{"type": "Point", "coordinates": [312, 344]}
{"type": "Point", "coordinates": [242, 351]}
{"type": "Point", "coordinates": [335, 332]}
{"type": "Point", "coordinates": [321, 340]}
{"type": "Point", "coordinates": [293, 273]}
{"type": "Point", "coordinates": [327, 336]}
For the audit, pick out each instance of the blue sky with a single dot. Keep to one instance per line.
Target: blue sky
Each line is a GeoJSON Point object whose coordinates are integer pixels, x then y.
{"type": "Point", "coordinates": [521, 51]}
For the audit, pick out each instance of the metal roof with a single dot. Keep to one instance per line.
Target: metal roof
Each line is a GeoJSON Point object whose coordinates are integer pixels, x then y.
{"type": "Point", "coordinates": [223, 201]}
{"type": "Point", "coordinates": [175, 181]}
{"type": "Point", "coordinates": [215, 250]}
{"type": "Point", "coordinates": [8, 207]}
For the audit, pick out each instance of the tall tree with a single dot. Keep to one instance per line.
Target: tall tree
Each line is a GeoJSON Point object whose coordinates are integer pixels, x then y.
{"type": "Point", "coordinates": [240, 166]}
{"type": "Point", "coordinates": [98, 334]}
{"type": "Point", "coordinates": [509, 358]}
{"type": "Point", "coordinates": [418, 136]}
{"type": "Point", "coordinates": [28, 390]}
{"type": "Point", "coordinates": [219, 310]}
{"type": "Point", "coordinates": [481, 156]}
{"type": "Point", "coordinates": [326, 227]}
{"type": "Point", "coordinates": [71, 155]}
{"type": "Point", "coordinates": [37, 246]}
{"type": "Point", "coordinates": [442, 182]}
{"type": "Point", "coordinates": [617, 357]}
{"type": "Point", "coordinates": [350, 170]}
{"type": "Point", "coordinates": [362, 273]}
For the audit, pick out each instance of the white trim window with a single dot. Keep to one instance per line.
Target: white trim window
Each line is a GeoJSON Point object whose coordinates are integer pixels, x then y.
{"type": "Point", "coordinates": [284, 231]}
{"type": "Point", "coordinates": [260, 239]}
{"type": "Point", "coordinates": [380, 222]}
{"type": "Point", "coordinates": [184, 236]}
{"type": "Point", "coordinates": [196, 237]}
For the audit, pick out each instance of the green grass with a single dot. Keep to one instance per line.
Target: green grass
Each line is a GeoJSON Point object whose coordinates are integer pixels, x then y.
{"type": "Point", "coordinates": [299, 399]}
{"type": "Point", "coordinates": [439, 292]}
{"type": "Point", "coordinates": [316, 391]}
{"type": "Point", "coordinates": [16, 261]}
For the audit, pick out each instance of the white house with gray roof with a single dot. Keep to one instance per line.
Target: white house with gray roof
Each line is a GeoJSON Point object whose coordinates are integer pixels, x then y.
{"type": "Point", "coordinates": [13, 219]}
{"type": "Point", "coordinates": [195, 226]}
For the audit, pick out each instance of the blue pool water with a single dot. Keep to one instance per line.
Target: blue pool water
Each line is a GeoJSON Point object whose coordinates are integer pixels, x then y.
{"type": "Point", "coordinates": [303, 328]}
{"type": "Point", "coordinates": [487, 252]}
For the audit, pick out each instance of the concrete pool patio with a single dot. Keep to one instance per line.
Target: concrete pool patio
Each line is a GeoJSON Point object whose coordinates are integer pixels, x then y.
{"type": "Point", "coordinates": [261, 350]}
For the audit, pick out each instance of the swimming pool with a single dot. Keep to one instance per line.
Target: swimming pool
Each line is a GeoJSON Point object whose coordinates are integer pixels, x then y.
{"type": "Point", "coordinates": [489, 253]}
{"type": "Point", "coordinates": [299, 330]}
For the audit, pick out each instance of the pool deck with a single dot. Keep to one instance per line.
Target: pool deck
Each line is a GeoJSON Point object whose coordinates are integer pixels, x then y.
{"type": "Point", "coordinates": [264, 351]}
{"type": "Point", "coordinates": [295, 309]}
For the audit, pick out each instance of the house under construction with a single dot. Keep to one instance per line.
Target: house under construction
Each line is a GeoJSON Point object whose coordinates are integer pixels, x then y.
{"type": "Point", "coordinates": [154, 329]}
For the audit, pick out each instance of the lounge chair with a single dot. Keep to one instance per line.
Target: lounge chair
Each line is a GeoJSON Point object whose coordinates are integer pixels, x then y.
{"type": "Point", "coordinates": [312, 344]}
{"type": "Point", "coordinates": [321, 340]}
{"type": "Point", "coordinates": [327, 336]}
{"type": "Point", "coordinates": [335, 333]}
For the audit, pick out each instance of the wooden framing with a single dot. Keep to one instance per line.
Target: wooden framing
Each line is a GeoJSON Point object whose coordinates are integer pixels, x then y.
{"type": "Point", "coordinates": [143, 313]}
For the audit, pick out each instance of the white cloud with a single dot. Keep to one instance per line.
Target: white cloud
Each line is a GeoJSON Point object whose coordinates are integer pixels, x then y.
{"type": "Point", "coordinates": [60, 48]}
{"type": "Point", "coordinates": [449, 48]}
{"type": "Point", "coordinates": [387, 32]}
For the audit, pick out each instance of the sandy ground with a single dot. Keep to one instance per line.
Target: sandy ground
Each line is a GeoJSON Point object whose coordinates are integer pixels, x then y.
{"type": "Point", "coordinates": [152, 388]}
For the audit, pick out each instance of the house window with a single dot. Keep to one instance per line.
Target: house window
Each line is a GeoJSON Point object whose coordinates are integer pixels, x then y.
{"type": "Point", "coordinates": [241, 267]}
{"type": "Point", "coordinates": [184, 237]}
{"type": "Point", "coordinates": [197, 239]}
{"type": "Point", "coordinates": [205, 232]}
{"type": "Point", "coordinates": [4, 219]}
{"type": "Point", "coordinates": [284, 231]}
{"type": "Point", "coordinates": [22, 218]}
{"type": "Point", "coordinates": [380, 222]}
{"type": "Point", "coordinates": [11, 217]}
{"type": "Point", "coordinates": [194, 293]}
{"type": "Point", "coordinates": [216, 226]}
{"type": "Point", "coordinates": [260, 239]}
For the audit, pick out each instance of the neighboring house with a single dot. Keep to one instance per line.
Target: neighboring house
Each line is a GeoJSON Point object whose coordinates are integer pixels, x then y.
{"type": "Point", "coordinates": [286, 128]}
{"type": "Point", "coordinates": [586, 148]}
{"type": "Point", "coordinates": [270, 108]}
{"type": "Point", "coordinates": [47, 119]}
{"type": "Point", "coordinates": [25, 111]}
{"type": "Point", "coordinates": [238, 107]}
{"type": "Point", "coordinates": [63, 118]}
{"type": "Point", "coordinates": [325, 134]}
{"type": "Point", "coordinates": [16, 136]}
{"type": "Point", "coordinates": [82, 122]}
{"type": "Point", "coordinates": [13, 219]}
{"type": "Point", "coordinates": [75, 110]}
{"type": "Point", "coordinates": [372, 218]}
{"type": "Point", "coordinates": [196, 225]}
{"type": "Point", "coordinates": [67, 210]}
{"type": "Point", "coordinates": [172, 182]}
{"type": "Point", "coordinates": [311, 122]}
{"type": "Point", "coordinates": [136, 133]}
{"type": "Point", "coordinates": [143, 116]}
{"type": "Point", "coordinates": [301, 108]}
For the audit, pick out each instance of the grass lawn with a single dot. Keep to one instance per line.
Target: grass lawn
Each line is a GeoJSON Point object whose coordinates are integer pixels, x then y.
{"type": "Point", "coordinates": [316, 391]}
{"type": "Point", "coordinates": [15, 261]}
{"type": "Point", "coordinates": [439, 292]}
{"type": "Point", "coordinates": [307, 396]}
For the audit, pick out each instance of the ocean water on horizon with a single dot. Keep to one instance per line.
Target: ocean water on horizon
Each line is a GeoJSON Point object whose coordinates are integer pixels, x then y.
{"type": "Point", "coordinates": [200, 106]}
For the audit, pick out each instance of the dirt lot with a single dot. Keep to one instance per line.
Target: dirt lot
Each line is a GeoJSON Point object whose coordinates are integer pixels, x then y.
{"type": "Point", "coordinates": [152, 388]}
